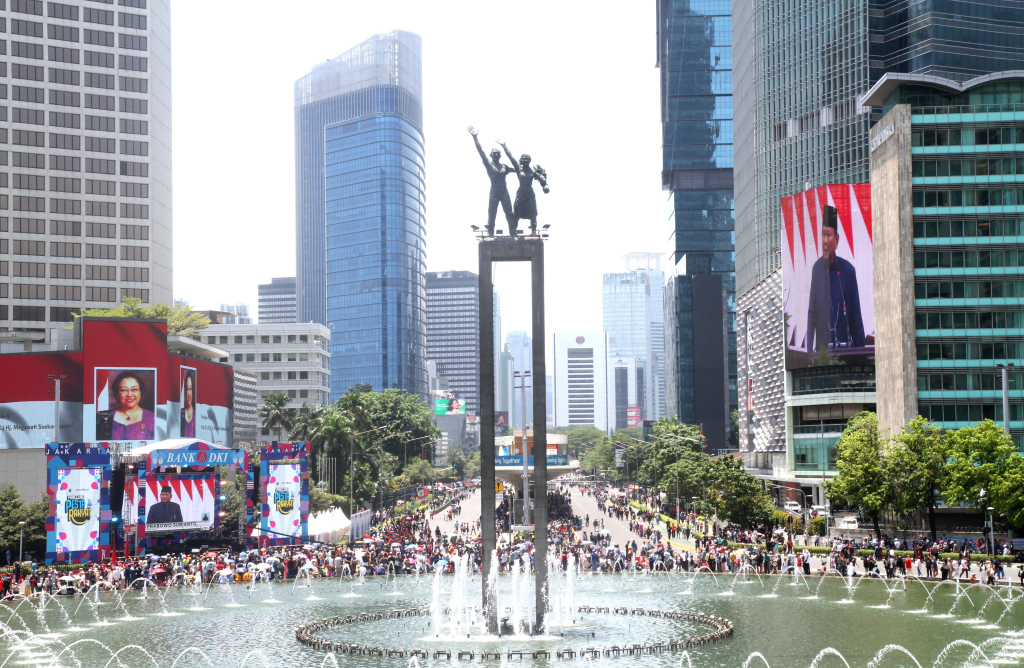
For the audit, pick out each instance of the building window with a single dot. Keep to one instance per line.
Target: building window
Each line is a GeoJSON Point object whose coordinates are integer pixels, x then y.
{"type": "Point", "coordinates": [264, 375]}
{"type": "Point", "coordinates": [277, 339]}
{"type": "Point", "coordinates": [264, 357]}
{"type": "Point", "coordinates": [277, 357]}
{"type": "Point", "coordinates": [292, 376]}
{"type": "Point", "coordinates": [250, 338]}
{"type": "Point", "coordinates": [238, 357]}
{"type": "Point", "coordinates": [250, 357]}
{"type": "Point", "coordinates": [277, 375]}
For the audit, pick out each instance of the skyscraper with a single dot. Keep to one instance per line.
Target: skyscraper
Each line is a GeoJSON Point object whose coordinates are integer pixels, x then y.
{"type": "Point", "coordinates": [85, 186]}
{"type": "Point", "coordinates": [633, 317]}
{"type": "Point", "coordinates": [360, 213]}
{"type": "Point", "coordinates": [581, 380]}
{"type": "Point", "coordinates": [453, 332]}
{"type": "Point", "coordinates": [520, 344]}
{"type": "Point", "coordinates": [802, 121]}
{"type": "Point", "coordinates": [695, 59]}
{"type": "Point", "coordinates": [277, 301]}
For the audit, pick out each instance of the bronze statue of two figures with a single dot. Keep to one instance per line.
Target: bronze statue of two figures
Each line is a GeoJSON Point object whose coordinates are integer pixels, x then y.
{"type": "Point", "coordinates": [525, 207]}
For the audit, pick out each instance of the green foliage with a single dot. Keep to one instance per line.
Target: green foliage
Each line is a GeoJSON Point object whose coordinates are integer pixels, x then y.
{"type": "Point", "coordinates": [233, 506]}
{"type": "Point", "coordinates": [320, 500]}
{"type": "Point", "coordinates": [181, 320]}
{"type": "Point", "coordinates": [674, 458]}
{"type": "Point", "coordinates": [473, 465]}
{"type": "Point", "coordinates": [581, 439]}
{"type": "Point", "coordinates": [628, 433]}
{"type": "Point", "coordinates": [599, 458]}
{"type": "Point", "coordinates": [275, 412]}
{"type": "Point", "coordinates": [915, 468]}
{"type": "Point", "coordinates": [420, 472]}
{"type": "Point", "coordinates": [817, 526]}
{"type": "Point", "coordinates": [456, 460]}
{"type": "Point", "coordinates": [14, 509]}
{"type": "Point", "coordinates": [861, 476]}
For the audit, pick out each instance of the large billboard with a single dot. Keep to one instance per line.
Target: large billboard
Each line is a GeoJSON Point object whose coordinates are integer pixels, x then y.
{"type": "Point", "coordinates": [76, 509]}
{"type": "Point", "coordinates": [827, 271]}
{"type": "Point", "coordinates": [284, 497]}
{"type": "Point", "coordinates": [121, 385]}
{"type": "Point", "coordinates": [180, 504]}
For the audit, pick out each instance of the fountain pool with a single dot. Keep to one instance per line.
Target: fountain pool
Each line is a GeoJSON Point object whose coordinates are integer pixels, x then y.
{"type": "Point", "coordinates": [790, 623]}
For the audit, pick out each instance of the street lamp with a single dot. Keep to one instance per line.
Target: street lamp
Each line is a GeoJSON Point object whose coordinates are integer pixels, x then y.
{"type": "Point", "coordinates": [21, 540]}
{"type": "Point", "coordinates": [406, 464]}
{"type": "Point", "coordinates": [679, 438]}
{"type": "Point", "coordinates": [991, 531]}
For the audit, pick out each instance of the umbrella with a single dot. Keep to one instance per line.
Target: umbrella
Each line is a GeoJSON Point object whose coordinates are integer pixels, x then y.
{"type": "Point", "coordinates": [587, 542]}
{"type": "Point", "coordinates": [154, 557]}
{"type": "Point", "coordinates": [369, 540]}
{"type": "Point", "coordinates": [396, 545]}
{"type": "Point", "coordinates": [157, 571]}
{"type": "Point", "coordinates": [263, 567]}
{"type": "Point", "coordinates": [68, 578]}
{"type": "Point", "coordinates": [210, 555]}
{"type": "Point", "coordinates": [442, 562]}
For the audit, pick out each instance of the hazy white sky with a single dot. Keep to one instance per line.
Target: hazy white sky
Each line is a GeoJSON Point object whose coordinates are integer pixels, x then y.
{"type": "Point", "coordinates": [572, 83]}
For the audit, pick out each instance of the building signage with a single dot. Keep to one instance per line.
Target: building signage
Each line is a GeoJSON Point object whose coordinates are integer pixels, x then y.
{"type": "Point", "coordinates": [880, 138]}
{"type": "Point", "coordinates": [516, 460]}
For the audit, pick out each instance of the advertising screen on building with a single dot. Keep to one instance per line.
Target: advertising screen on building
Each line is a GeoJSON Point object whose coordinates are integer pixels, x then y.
{"type": "Point", "coordinates": [121, 385]}
{"type": "Point", "coordinates": [450, 406]}
{"type": "Point", "coordinates": [827, 276]}
{"type": "Point", "coordinates": [284, 494]}
{"type": "Point", "coordinates": [633, 418]}
{"type": "Point", "coordinates": [178, 504]}
{"type": "Point", "coordinates": [76, 509]}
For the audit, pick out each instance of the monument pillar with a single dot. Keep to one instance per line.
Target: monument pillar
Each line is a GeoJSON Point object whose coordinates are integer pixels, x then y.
{"type": "Point", "coordinates": [513, 249]}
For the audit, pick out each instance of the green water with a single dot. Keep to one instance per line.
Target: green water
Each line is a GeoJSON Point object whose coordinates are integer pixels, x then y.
{"type": "Point", "coordinates": [790, 629]}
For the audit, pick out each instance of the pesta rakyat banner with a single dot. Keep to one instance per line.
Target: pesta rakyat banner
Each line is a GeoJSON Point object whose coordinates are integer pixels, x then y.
{"type": "Point", "coordinates": [284, 490]}
{"type": "Point", "coordinates": [827, 274]}
{"type": "Point", "coordinates": [76, 509]}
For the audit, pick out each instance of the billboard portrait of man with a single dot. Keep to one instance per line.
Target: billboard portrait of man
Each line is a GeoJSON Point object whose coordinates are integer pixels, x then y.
{"type": "Point", "coordinates": [165, 512]}
{"type": "Point", "coordinates": [833, 311]}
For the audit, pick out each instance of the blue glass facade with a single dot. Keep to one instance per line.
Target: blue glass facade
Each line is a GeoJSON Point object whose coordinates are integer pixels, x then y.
{"type": "Point", "coordinates": [361, 214]}
{"type": "Point", "coordinates": [695, 59]}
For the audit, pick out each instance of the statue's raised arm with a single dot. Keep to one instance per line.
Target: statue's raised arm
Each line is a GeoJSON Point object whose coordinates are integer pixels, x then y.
{"type": "Point", "coordinates": [479, 149]}
{"type": "Point", "coordinates": [515, 163]}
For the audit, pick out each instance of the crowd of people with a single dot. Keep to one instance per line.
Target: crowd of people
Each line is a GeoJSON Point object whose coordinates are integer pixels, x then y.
{"type": "Point", "coordinates": [407, 540]}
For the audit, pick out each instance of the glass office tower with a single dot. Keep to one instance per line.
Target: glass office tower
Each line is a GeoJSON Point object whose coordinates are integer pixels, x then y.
{"type": "Point", "coordinates": [360, 212]}
{"type": "Point", "coordinates": [695, 59]}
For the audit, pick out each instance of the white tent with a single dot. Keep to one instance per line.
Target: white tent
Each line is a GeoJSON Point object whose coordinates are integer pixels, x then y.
{"type": "Point", "coordinates": [329, 526]}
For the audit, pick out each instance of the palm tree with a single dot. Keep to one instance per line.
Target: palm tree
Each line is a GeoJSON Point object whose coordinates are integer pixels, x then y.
{"type": "Point", "coordinates": [305, 422]}
{"type": "Point", "coordinates": [276, 415]}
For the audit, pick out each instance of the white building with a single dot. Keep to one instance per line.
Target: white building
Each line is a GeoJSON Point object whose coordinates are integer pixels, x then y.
{"type": "Point", "coordinates": [85, 161]}
{"type": "Point", "coordinates": [290, 358]}
{"type": "Point", "coordinates": [580, 380]}
{"type": "Point", "coordinates": [633, 317]}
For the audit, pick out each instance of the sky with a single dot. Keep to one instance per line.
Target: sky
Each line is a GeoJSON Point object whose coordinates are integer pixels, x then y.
{"type": "Point", "coordinates": [574, 84]}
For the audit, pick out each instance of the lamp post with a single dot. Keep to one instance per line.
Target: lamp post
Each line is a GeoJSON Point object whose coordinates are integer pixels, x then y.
{"type": "Point", "coordinates": [21, 540]}
{"type": "Point", "coordinates": [679, 438]}
{"type": "Point", "coordinates": [983, 497]}
{"type": "Point", "coordinates": [523, 377]}
{"type": "Point", "coordinates": [991, 531]}
{"type": "Point", "coordinates": [406, 463]}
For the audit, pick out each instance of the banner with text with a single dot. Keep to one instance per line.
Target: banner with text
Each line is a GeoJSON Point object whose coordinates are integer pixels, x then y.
{"type": "Point", "coordinates": [178, 504]}
{"type": "Point", "coordinates": [77, 512]}
{"type": "Point", "coordinates": [284, 489]}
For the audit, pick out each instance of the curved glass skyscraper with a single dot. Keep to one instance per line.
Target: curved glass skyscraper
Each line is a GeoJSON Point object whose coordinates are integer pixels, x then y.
{"type": "Point", "coordinates": [360, 212]}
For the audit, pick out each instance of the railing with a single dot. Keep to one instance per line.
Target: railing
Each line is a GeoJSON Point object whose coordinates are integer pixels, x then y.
{"type": "Point", "coordinates": [968, 109]}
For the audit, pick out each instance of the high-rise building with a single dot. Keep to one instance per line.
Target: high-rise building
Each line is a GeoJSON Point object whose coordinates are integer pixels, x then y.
{"type": "Point", "coordinates": [695, 59]}
{"type": "Point", "coordinates": [292, 359]}
{"type": "Point", "coordinates": [504, 393]}
{"type": "Point", "coordinates": [520, 344]}
{"type": "Point", "coordinates": [277, 301]}
{"type": "Point", "coordinates": [947, 222]}
{"type": "Point", "coordinates": [634, 318]}
{"type": "Point", "coordinates": [360, 213]}
{"type": "Point", "coordinates": [802, 121]}
{"type": "Point", "coordinates": [580, 380]}
{"type": "Point", "coordinates": [240, 317]}
{"type": "Point", "coordinates": [85, 174]}
{"type": "Point", "coordinates": [453, 332]}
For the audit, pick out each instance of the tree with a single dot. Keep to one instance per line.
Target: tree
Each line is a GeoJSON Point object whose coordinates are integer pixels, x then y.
{"type": "Point", "coordinates": [627, 433]}
{"type": "Point", "coordinates": [981, 457]}
{"type": "Point", "coordinates": [861, 477]}
{"type": "Point", "coordinates": [456, 459]}
{"type": "Point", "coordinates": [473, 465]}
{"type": "Point", "coordinates": [599, 458]}
{"type": "Point", "coordinates": [320, 500]}
{"type": "Point", "coordinates": [915, 467]}
{"type": "Point", "coordinates": [14, 509]}
{"type": "Point", "coordinates": [181, 320]}
{"type": "Point", "coordinates": [276, 415]}
{"type": "Point", "coordinates": [419, 472]}
{"type": "Point", "coordinates": [581, 438]}
{"type": "Point", "coordinates": [742, 498]}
